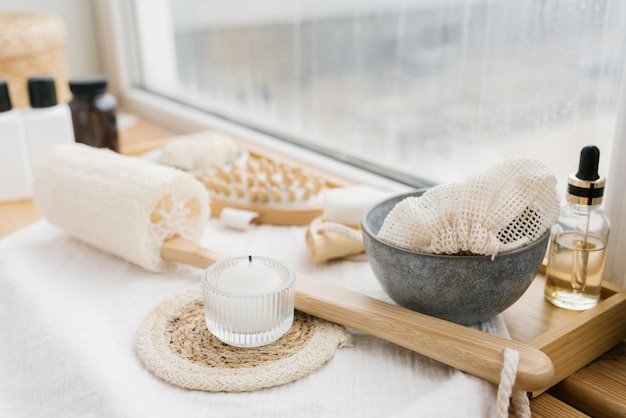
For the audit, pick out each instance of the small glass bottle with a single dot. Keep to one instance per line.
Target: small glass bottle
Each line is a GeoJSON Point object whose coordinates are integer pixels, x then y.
{"type": "Point", "coordinates": [94, 113]}
{"type": "Point", "coordinates": [579, 239]}
{"type": "Point", "coordinates": [15, 172]}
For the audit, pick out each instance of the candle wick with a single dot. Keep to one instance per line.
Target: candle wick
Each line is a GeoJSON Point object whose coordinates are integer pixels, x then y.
{"type": "Point", "coordinates": [250, 258]}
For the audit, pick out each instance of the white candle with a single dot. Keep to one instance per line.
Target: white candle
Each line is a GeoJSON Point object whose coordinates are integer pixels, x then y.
{"type": "Point", "coordinates": [249, 278]}
{"type": "Point", "coordinates": [248, 302]}
{"type": "Point", "coordinates": [346, 205]}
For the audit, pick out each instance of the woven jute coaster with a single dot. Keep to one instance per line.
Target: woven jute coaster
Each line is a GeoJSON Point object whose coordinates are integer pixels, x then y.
{"type": "Point", "coordinates": [174, 343]}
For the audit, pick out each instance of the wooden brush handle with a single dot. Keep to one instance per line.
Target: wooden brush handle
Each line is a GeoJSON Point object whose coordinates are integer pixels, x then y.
{"type": "Point", "coordinates": [184, 251]}
{"type": "Point", "coordinates": [467, 349]}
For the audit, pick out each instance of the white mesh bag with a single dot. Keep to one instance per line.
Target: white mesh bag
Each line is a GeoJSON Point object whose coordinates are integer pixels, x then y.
{"type": "Point", "coordinates": [503, 208]}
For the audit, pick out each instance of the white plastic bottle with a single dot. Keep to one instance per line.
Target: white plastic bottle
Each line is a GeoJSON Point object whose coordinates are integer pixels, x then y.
{"type": "Point", "coordinates": [47, 122]}
{"type": "Point", "coordinates": [15, 172]}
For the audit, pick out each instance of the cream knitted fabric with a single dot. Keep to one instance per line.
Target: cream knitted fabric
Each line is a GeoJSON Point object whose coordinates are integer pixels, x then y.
{"type": "Point", "coordinates": [119, 204]}
{"type": "Point", "coordinates": [503, 208]}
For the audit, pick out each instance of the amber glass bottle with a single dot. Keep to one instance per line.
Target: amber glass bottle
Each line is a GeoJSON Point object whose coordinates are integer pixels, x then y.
{"type": "Point", "coordinates": [94, 113]}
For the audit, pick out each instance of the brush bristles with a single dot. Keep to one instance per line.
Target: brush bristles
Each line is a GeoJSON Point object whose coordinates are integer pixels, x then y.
{"type": "Point", "coordinates": [263, 181]}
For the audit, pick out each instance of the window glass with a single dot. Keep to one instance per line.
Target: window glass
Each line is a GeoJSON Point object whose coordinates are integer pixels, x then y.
{"type": "Point", "coordinates": [435, 90]}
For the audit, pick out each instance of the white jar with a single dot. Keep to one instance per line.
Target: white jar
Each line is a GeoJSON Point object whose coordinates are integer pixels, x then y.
{"type": "Point", "coordinates": [15, 172]}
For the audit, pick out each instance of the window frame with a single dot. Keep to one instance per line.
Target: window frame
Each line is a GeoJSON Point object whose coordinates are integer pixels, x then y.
{"type": "Point", "coordinates": [180, 118]}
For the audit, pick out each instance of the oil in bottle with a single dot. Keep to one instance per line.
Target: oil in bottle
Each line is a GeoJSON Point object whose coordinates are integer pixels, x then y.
{"type": "Point", "coordinates": [579, 239]}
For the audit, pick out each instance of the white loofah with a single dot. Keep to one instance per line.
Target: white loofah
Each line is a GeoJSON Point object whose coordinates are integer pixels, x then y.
{"type": "Point", "coordinates": [500, 209]}
{"type": "Point", "coordinates": [199, 151]}
{"type": "Point", "coordinates": [119, 204]}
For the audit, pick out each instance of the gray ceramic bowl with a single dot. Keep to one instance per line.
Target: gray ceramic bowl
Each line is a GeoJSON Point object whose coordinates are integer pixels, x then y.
{"type": "Point", "coordinates": [467, 289]}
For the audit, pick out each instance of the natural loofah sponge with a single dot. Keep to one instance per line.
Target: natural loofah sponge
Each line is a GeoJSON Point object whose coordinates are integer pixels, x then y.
{"type": "Point", "coordinates": [199, 151]}
{"type": "Point", "coordinates": [119, 204]}
{"type": "Point", "coordinates": [501, 209]}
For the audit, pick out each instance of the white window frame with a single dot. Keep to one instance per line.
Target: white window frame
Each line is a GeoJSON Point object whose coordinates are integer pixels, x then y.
{"type": "Point", "coordinates": [184, 119]}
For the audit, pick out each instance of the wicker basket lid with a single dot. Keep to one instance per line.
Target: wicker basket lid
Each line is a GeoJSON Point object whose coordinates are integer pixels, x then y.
{"type": "Point", "coordinates": [32, 44]}
{"type": "Point", "coordinates": [28, 33]}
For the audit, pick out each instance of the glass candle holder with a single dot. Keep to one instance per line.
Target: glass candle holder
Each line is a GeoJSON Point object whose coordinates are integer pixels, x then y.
{"type": "Point", "coordinates": [248, 301]}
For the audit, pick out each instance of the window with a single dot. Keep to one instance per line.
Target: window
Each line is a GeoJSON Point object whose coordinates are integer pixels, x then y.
{"type": "Point", "coordinates": [420, 91]}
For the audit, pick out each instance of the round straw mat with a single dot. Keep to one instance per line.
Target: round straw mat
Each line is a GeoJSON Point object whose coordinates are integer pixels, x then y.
{"type": "Point", "coordinates": [174, 343]}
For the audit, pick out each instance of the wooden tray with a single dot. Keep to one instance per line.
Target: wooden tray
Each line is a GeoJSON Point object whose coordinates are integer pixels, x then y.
{"type": "Point", "coordinates": [571, 339]}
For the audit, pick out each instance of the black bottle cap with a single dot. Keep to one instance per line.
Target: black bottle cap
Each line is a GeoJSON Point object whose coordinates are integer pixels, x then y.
{"type": "Point", "coordinates": [42, 92]}
{"type": "Point", "coordinates": [88, 86]}
{"type": "Point", "coordinates": [586, 187]}
{"type": "Point", "coordinates": [5, 98]}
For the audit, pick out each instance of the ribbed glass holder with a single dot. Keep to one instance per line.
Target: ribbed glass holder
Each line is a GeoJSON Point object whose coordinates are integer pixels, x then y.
{"type": "Point", "coordinates": [250, 320]}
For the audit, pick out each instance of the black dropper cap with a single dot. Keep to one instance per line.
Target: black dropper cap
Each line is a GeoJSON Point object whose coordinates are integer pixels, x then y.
{"type": "Point", "coordinates": [42, 92]}
{"type": "Point", "coordinates": [5, 98]}
{"type": "Point", "coordinates": [586, 187]}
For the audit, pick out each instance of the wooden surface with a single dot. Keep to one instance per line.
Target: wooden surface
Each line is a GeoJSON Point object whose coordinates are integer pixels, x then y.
{"type": "Point", "coordinates": [139, 136]}
{"type": "Point", "coordinates": [571, 339]}
{"type": "Point", "coordinates": [547, 406]}
{"type": "Point", "coordinates": [598, 389]}
{"type": "Point", "coordinates": [15, 215]}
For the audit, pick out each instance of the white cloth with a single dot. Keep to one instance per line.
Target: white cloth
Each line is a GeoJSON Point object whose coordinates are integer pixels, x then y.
{"type": "Point", "coordinates": [69, 314]}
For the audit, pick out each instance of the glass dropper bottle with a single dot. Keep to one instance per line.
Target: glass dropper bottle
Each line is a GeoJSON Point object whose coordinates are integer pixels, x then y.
{"type": "Point", "coordinates": [579, 239]}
